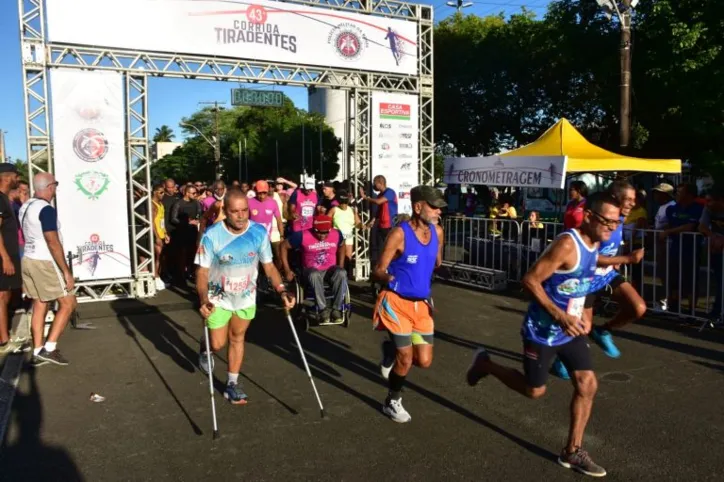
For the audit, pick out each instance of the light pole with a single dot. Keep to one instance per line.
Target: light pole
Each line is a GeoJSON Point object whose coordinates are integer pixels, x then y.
{"type": "Point", "coordinates": [214, 145]}
{"type": "Point", "coordinates": [623, 9]}
{"type": "Point", "coordinates": [459, 5]}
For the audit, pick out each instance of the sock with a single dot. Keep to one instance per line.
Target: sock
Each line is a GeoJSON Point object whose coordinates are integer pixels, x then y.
{"type": "Point", "coordinates": [396, 382]}
{"type": "Point", "coordinates": [37, 350]}
{"type": "Point", "coordinates": [50, 346]}
{"type": "Point", "coordinates": [231, 378]}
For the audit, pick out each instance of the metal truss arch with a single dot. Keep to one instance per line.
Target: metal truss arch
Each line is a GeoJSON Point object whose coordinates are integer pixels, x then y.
{"type": "Point", "coordinates": [40, 55]}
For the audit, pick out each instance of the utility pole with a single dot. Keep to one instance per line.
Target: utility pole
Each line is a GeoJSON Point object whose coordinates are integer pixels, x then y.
{"type": "Point", "coordinates": [217, 139]}
{"type": "Point", "coordinates": [622, 9]}
{"type": "Point", "coordinates": [459, 5]}
{"type": "Point", "coordinates": [2, 145]}
{"type": "Point", "coordinates": [625, 124]}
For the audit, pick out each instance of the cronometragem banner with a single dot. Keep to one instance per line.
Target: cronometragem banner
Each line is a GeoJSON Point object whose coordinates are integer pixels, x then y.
{"type": "Point", "coordinates": [90, 167]}
{"type": "Point", "coordinates": [520, 171]}
{"type": "Point", "coordinates": [251, 30]}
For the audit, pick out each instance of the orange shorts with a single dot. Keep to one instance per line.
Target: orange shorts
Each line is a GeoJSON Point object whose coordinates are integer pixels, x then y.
{"type": "Point", "coordinates": [409, 322]}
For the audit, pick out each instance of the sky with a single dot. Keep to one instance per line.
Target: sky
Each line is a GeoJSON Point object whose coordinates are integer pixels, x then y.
{"type": "Point", "coordinates": [169, 99]}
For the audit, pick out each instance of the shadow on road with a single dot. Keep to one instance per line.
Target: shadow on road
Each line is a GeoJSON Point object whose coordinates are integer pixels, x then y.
{"type": "Point", "coordinates": [320, 349]}
{"type": "Point", "coordinates": [684, 348]}
{"type": "Point", "coordinates": [28, 458]}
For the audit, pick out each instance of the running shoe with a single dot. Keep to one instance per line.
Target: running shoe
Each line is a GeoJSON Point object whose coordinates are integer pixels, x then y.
{"type": "Point", "coordinates": [581, 462]}
{"type": "Point", "coordinates": [388, 359]}
{"type": "Point", "coordinates": [324, 316]}
{"type": "Point", "coordinates": [560, 370]}
{"type": "Point", "coordinates": [395, 410]}
{"type": "Point", "coordinates": [337, 317]}
{"type": "Point", "coordinates": [204, 362]}
{"type": "Point", "coordinates": [604, 339]}
{"type": "Point", "coordinates": [474, 375]}
{"type": "Point", "coordinates": [37, 362]}
{"type": "Point", "coordinates": [234, 393]}
{"type": "Point", "coordinates": [160, 285]}
{"type": "Point", "coordinates": [53, 357]}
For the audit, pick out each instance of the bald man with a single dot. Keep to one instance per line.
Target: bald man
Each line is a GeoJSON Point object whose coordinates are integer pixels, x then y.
{"type": "Point", "coordinates": [46, 276]}
{"type": "Point", "coordinates": [228, 266]}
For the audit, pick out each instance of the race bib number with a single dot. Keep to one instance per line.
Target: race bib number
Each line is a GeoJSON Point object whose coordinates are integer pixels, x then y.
{"type": "Point", "coordinates": [307, 211]}
{"type": "Point", "coordinates": [575, 306]}
{"type": "Point", "coordinates": [234, 285]}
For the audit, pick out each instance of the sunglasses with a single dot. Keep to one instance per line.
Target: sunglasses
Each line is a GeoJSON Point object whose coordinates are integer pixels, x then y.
{"type": "Point", "coordinates": [321, 232]}
{"type": "Point", "coordinates": [609, 223]}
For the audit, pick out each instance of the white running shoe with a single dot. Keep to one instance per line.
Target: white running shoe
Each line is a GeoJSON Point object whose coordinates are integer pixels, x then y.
{"type": "Point", "coordinates": [395, 410]}
{"type": "Point", "coordinates": [160, 285]}
{"type": "Point", "coordinates": [204, 362]}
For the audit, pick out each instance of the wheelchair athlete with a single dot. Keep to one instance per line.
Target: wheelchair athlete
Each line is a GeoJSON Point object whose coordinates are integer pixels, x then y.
{"type": "Point", "coordinates": [323, 254]}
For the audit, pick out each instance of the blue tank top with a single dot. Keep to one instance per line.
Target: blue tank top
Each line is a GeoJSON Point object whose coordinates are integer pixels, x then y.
{"type": "Point", "coordinates": [610, 249]}
{"type": "Point", "coordinates": [413, 269]}
{"type": "Point", "coordinates": [568, 290]}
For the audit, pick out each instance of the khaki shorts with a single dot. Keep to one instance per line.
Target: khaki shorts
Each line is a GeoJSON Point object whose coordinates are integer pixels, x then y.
{"type": "Point", "coordinates": [42, 280]}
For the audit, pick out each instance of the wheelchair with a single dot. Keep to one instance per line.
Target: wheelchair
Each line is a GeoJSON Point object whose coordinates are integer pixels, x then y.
{"type": "Point", "coordinates": [306, 305]}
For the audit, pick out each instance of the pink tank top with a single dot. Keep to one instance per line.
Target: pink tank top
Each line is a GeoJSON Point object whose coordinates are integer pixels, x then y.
{"type": "Point", "coordinates": [318, 254]}
{"type": "Point", "coordinates": [305, 206]}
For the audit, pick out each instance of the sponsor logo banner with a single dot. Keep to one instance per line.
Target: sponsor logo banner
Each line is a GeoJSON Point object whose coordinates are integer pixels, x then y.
{"type": "Point", "coordinates": [520, 171]}
{"type": "Point", "coordinates": [395, 148]}
{"type": "Point", "coordinates": [90, 166]}
{"type": "Point", "coordinates": [253, 30]}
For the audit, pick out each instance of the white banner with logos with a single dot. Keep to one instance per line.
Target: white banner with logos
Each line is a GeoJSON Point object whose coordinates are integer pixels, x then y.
{"type": "Point", "coordinates": [395, 143]}
{"type": "Point", "coordinates": [252, 30]}
{"type": "Point", "coordinates": [90, 167]}
{"type": "Point", "coordinates": [521, 171]}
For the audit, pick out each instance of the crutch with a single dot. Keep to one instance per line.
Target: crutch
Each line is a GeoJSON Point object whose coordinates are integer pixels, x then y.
{"type": "Point", "coordinates": [304, 360]}
{"type": "Point", "coordinates": [211, 381]}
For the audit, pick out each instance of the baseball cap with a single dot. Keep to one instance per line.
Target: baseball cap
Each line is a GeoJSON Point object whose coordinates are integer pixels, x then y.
{"type": "Point", "coordinates": [7, 167]}
{"type": "Point", "coordinates": [665, 188]}
{"type": "Point", "coordinates": [343, 195]}
{"type": "Point", "coordinates": [328, 184]}
{"type": "Point", "coordinates": [308, 183]}
{"type": "Point", "coordinates": [322, 223]}
{"type": "Point", "coordinates": [261, 186]}
{"type": "Point", "coordinates": [429, 194]}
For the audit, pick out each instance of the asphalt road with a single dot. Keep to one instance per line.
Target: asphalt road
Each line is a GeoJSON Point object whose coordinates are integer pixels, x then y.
{"type": "Point", "coordinates": [659, 414]}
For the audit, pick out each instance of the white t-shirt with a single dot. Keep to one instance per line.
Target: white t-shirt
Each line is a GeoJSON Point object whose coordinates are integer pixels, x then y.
{"type": "Point", "coordinates": [36, 217]}
{"type": "Point", "coordinates": [660, 219]}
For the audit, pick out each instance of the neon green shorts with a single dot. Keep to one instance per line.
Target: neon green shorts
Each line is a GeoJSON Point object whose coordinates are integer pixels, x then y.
{"type": "Point", "coordinates": [220, 317]}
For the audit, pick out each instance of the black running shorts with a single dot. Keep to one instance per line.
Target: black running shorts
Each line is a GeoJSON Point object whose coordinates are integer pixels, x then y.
{"type": "Point", "coordinates": [537, 359]}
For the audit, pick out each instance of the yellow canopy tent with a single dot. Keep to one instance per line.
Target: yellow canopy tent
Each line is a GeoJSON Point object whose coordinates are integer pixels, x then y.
{"type": "Point", "coordinates": [562, 139]}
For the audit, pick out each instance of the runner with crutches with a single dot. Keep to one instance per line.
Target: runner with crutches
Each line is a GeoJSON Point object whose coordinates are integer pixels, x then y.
{"type": "Point", "coordinates": [228, 259]}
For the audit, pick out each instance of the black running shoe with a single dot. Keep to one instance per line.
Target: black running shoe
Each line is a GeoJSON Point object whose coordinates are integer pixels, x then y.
{"type": "Point", "coordinates": [37, 362]}
{"type": "Point", "coordinates": [53, 357]}
{"type": "Point", "coordinates": [581, 462]}
{"type": "Point", "coordinates": [474, 375]}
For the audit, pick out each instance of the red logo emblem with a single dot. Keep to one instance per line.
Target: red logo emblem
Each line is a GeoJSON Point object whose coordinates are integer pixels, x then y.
{"type": "Point", "coordinates": [95, 238]}
{"type": "Point", "coordinates": [348, 44]}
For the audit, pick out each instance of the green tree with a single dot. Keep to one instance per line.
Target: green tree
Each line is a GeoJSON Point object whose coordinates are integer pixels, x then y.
{"type": "Point", "coordinates": [163, 134]}
{"type": "Point", "coordinates": [262, 129]}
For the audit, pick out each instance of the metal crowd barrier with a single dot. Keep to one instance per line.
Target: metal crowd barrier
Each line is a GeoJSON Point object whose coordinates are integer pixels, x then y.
{"type": "Point", "coordinates": [681, 275]}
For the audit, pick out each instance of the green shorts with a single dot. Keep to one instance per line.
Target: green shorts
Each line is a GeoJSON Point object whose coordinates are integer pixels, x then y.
{"type": "Point", "coordinates": [220, 317]}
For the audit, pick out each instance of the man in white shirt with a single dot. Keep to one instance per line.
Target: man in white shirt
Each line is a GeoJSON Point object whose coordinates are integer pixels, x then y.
{"type": "Point", "coordinates": [46, 276]}
{"type": "Point", "coordinates": [664, 196]}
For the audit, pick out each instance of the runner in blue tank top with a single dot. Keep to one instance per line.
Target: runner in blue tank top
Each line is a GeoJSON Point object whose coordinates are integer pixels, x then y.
{"type": "Point", "coordinates": [555, 326]}
{"type": "Point", "coordinates": [410, 254]}
{"type": "Point", "coordinates": [631, 306]}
